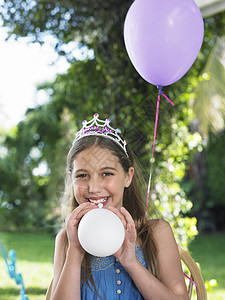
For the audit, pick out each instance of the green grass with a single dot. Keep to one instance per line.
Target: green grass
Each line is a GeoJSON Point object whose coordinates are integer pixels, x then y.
{"type": "Point", "coordinates": [209, 251]}
{"type": "Point", "coordinates": [35, 253]}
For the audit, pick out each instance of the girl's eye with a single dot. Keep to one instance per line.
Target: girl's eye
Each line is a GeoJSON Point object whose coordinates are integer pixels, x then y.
{"type": "Point", "coordinates": [107, 174]}
{"type": "Point", "coordinates": [82, 176]}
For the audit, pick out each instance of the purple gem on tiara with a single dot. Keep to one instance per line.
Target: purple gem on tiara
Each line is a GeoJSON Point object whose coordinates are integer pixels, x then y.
{"type": "Point", "coordinates": [108, 120]}
{"type": "Point", "coordinates": [84, 122]}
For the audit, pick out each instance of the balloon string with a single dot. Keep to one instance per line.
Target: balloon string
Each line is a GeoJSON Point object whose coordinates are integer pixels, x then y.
{"type": "Point", "coordinates": [153, 147]}
{"type": "Point", "coordinates": [191, 281]}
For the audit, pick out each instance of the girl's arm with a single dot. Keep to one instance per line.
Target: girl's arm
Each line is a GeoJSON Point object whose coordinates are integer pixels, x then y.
{"type": "Point", "coordinates": [66, 279]}
{"type": "Point", "coordinates": [67, 266]}
{"type": "Point", "coordinates": [171, 284]}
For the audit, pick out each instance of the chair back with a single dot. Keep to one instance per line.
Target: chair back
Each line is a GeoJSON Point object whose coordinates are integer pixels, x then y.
{"type": "Point", "coordinates": [194, 276]}
{"type": "Point", "coordinates": [49, 290]}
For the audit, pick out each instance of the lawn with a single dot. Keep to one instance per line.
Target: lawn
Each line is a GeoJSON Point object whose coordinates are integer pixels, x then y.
{"type": "Point", "coordinates": [35, 254]}
{"type": "Point", "coordinates": [209, 251]}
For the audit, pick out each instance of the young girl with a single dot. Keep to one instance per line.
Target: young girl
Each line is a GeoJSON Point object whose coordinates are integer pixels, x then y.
{"type": "Point", "coordinates": [147, 266]}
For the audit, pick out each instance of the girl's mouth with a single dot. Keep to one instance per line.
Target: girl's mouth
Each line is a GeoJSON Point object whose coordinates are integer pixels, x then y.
{"type": "Point", "coordinates": [98, 200]}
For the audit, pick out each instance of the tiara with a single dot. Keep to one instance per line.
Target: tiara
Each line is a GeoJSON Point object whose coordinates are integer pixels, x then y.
{"type": "Point", "coordinates": [101, 128]}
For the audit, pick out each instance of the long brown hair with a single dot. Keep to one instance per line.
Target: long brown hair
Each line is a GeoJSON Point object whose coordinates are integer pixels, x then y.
{"type": "Point", "coordinates": [133, 200]}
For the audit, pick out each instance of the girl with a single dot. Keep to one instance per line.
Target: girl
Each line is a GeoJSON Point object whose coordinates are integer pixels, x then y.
{"type": "Point", "coordinates": [147, 266]}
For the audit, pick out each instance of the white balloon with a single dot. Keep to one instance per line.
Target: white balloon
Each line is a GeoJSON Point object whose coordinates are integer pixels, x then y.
{"type": "Point", "coordinates": [101, 232]}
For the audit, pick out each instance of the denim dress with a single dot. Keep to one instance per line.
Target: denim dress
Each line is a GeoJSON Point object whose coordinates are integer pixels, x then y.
{"type": "Point", "coordinates": [112, 280]}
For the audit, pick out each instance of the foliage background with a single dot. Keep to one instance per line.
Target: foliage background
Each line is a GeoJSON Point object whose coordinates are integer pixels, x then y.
{"type": "Point", "coordinates": [106, 82]}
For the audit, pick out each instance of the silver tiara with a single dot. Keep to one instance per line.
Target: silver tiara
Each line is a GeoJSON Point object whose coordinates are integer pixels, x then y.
{"type": "Point", "coordinates": [101, 128]}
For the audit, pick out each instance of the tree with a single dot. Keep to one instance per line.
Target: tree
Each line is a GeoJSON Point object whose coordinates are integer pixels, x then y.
{"type": "Point", "coordinates": [107, 83]}
{"type": "Point", "coordinates": [209, 108]}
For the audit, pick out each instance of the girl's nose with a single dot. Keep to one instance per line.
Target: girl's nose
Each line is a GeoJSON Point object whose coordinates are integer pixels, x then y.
{"type": "Point", "coordinates": [94, 186]}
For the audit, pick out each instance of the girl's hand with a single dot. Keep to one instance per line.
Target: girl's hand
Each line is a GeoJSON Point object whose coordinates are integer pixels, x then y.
{"type": "Point", "coordinates": [126, 254]}
{"type": "Point", "coordinates": [72, 222]}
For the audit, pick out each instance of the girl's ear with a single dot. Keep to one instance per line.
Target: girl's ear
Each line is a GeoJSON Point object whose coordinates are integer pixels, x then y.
{"type": "Point", "coordinates": [129, 177]}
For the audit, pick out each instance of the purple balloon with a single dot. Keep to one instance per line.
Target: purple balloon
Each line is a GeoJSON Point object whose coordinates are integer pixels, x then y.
{"type": "Point", "coordinates": [163, 38]}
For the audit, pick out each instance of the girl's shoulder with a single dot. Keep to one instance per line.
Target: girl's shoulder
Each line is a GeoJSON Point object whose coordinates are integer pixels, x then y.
{"type": "Point", "coordinates": [157, 224]}
{"type": "Point", "coordinates": [160, 229]}
{"type": "Point", "coordinates": [165, 241]}
{"type": "Point", "coordinates": [61, 243]}
{"type": "Point", "coordinates": [61, 236]}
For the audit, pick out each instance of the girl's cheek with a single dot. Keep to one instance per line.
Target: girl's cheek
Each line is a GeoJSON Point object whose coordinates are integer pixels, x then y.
{"type": "Point", "coordinates": [112, 183]}
{"type": "Point", "coordinates": [79, 186]}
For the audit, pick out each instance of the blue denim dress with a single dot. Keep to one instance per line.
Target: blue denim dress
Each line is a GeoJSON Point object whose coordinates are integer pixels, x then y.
{"type": "Point", "coordinates": [112, 280]}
